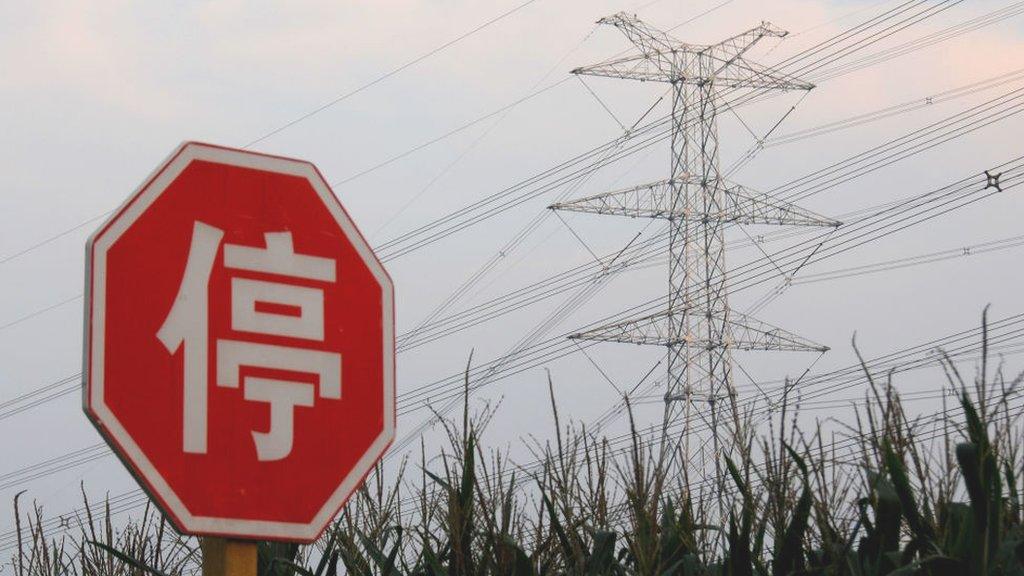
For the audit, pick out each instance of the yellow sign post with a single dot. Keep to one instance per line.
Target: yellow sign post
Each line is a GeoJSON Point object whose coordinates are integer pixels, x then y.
{"type": "Point", "coordinates": [226, 557]}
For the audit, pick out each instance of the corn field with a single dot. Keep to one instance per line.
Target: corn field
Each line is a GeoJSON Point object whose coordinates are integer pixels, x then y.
{"type": "Point", "coordinates": [912, 495]}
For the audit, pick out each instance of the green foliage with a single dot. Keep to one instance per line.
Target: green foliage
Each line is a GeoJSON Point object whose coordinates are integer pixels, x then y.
{"type": "Point", "coordinates": [896, 507]}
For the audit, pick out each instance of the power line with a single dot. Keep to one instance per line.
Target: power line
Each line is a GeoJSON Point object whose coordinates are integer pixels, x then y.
{"type": "Point", "coordinates": [798, 57]}
{"type": "Point", "coordinates": [917, 260]}
{"type": "Point", "coordinates": [67, 385]}
{"type": "Point", "coordinates": [897, 109]}
{"type": "Point", "coordinates": [489, 206]}
{"type": "Point", "coordinates": [974, 24]}
{"type": "Point", "coordinates": [927, 207]}
{"type": "Point", "coordinates": [904, 358]}
{"type": "Point", "coordinates": [133, 499]}
{"type": "Point", "coordinates": [346, 95]}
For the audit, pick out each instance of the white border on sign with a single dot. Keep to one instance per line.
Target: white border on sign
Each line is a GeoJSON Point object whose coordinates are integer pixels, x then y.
{"type": "Point", "coordinates": [95, 298]}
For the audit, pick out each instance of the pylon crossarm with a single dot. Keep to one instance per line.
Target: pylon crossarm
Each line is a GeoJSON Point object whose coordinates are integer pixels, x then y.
{"type": "Point", "coordinates": [737, 45]}
{"type": "Point", "coordinates": [741, 73]}
{"type": "Point", "coordinates": [646, 68]}
{"type": "Point", "coordinates": [744, 333]}
{"type": "Point", "coordinates": [745, 206]}
{"type": "Point", "coordinates": [653, 329]}
{"type": "Point", "coordinates": [662, 68]}
{"type": "Point", "coordinates": [665, 59]}
{"type": "Point", "coordinates": [652, 200]}
{"type": "Point", "coordinates": [649, 40]}
{"type": "Point", "coordinates": [751, 334]}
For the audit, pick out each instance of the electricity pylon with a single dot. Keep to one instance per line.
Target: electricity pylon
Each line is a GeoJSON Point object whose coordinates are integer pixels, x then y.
{"type": "Point", "coordinates": [697, 327]}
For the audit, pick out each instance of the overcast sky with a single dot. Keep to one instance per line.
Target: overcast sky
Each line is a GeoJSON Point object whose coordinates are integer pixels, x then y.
{"type": "Point", "coordinates": [94, 95]}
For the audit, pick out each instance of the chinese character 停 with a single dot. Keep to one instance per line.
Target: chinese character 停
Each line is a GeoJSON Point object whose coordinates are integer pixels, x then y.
{"type": "Point", "coordinates": [259, 307]}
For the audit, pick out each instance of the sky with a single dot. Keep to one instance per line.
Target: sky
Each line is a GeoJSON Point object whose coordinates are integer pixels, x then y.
{"type": "Point", "coordinates": [95, 95]}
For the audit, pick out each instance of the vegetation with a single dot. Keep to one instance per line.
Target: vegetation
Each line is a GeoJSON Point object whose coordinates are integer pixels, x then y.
{"type": "Point", "coordinates": [908, 496]}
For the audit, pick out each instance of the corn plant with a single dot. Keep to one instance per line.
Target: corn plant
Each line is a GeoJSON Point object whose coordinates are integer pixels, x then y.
{"type": "Point", "coordinates": [907, 502]}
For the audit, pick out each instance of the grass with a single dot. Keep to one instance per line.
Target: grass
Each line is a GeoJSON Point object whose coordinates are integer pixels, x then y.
{"type": "Point", "coordinates": [910, 495]}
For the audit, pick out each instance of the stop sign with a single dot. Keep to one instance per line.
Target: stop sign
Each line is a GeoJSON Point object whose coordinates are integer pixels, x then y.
{"type": "Point", "coordinates": [239, 344]}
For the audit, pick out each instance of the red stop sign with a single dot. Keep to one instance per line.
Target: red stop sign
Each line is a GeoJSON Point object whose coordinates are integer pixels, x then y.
{"type": "Point", "coordinates": [239, 349]}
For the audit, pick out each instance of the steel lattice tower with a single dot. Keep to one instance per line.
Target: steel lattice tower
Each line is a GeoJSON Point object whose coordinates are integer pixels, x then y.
{"type": "Point", "coordinates": [697, 327]}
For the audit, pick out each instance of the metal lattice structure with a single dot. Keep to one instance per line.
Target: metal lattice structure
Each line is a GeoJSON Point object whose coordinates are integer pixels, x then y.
{"type": "Point", "coordinates": [698, 328]}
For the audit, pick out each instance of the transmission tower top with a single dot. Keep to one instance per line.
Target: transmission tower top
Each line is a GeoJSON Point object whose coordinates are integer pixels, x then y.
{"type": "Point", "coordinates": [663, 58]}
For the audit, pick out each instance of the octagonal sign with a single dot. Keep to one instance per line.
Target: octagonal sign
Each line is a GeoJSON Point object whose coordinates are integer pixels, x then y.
{"type": "Point", "coordinates": [239, 344]}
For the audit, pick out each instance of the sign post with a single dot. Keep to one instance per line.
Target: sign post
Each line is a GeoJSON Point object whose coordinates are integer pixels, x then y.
{"type": "Point", "coordinates": [223, 557]}
{"type": "Point", "coordinates": [239, 349]}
